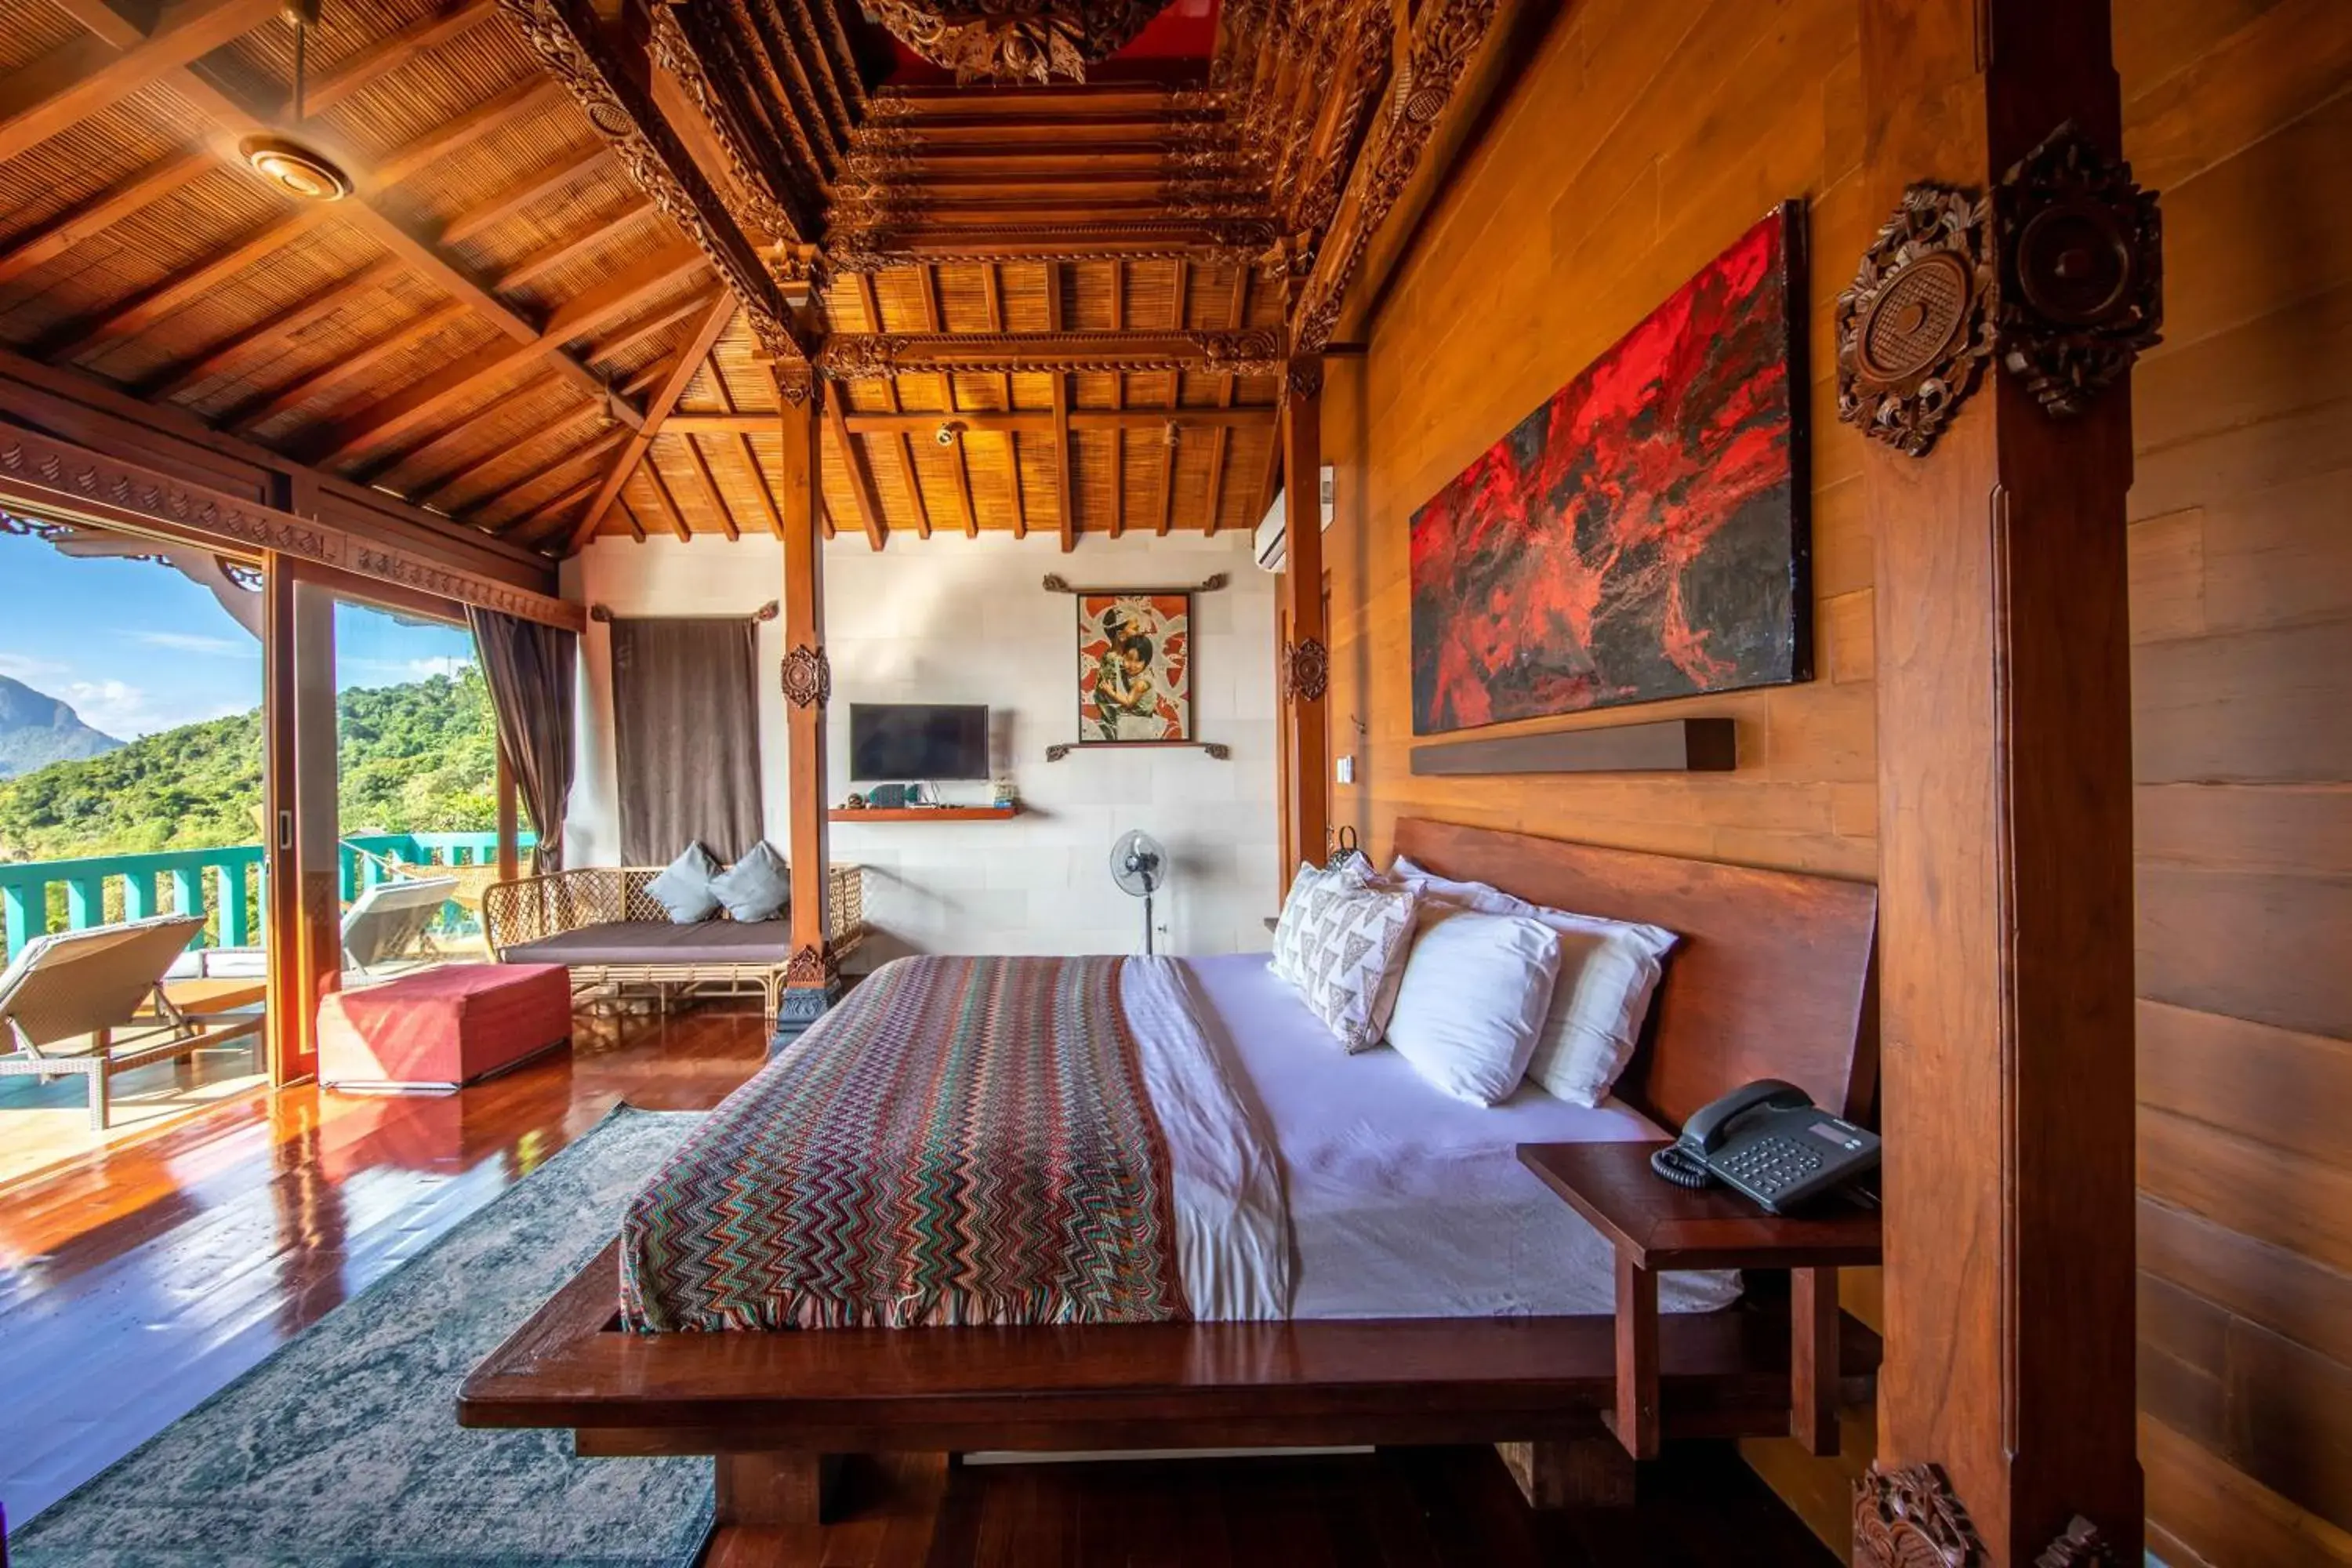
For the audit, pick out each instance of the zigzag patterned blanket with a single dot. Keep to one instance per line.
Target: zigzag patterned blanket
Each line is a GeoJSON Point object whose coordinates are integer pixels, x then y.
{"type": "Point", "coordinates": [963, 1141]}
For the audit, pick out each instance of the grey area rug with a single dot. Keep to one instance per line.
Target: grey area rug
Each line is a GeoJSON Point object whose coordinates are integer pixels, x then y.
{"type": "Point", "coordinates": [342, 1449]}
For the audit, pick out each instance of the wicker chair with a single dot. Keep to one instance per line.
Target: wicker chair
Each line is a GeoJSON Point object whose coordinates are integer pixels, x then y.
{"type": "Point", "coordinates": [535, 910]}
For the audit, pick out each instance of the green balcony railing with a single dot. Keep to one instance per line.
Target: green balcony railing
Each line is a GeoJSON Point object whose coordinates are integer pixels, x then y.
{"type": "Point", "coordinates": [224, 885]}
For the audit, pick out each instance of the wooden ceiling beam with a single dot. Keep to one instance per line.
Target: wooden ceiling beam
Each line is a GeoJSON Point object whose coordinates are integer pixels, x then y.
{"type": "Point", "coordinates": [861, 471]}
{"type": "Point", "coordinates": [1221, 442]}
{"type": "Point", "coordinates": [761, 491]}
{"type": "Point", "coordinates": [873, 356]}
{"type": "Point", "coordinates": [608, 84]}
{"type": "Point", "coordinates": [655, 325]}
{"type": "Point", "coordinates": [636, 529]}
{"type": "Point", "coordinates": [901, 449]}
{"type": "Point", "coordinates": [694, 105]}
{"type": "Point", "coordinates": [547, 512]}
{"type": "Point", "coordinates": [345, 367]}
{"type": "Point", "coordinates": [150, 305]}
{"type": "Point", "coordinates": [596, 446]}
{"type": "Point", "coordinates": [1066, 496]}
{"type": "Point", "coordinates": [992, 288]}
{"type": "Point", "coordinates": [718, 311]}
{"type": "Point", "coordinates": [403, 410]}
{"type": "Point", "coordinates": [1034, 422]}
{"type": "Point", "coordinates": [91, 75]}
{"type": "Point", "coordinates": [367, 65]}
{"type": "Point", "coordinates": [98, 17]}
{"type": "Point", "coordinates": [708, 483]}
{"type": "Point", "coordinates": [539, 263]}
{"type": "Point", "coordinates": [160, 179]}
{"type": "Point", "coordinates": [1118, 402]}
{"type": "Point", "coordinates": [878, 245]}
{"type": "Point", "coordinates": [933, 319]}
{"type": "Point", "coordinates": [304, 312]}
{"type": "Point", "coordinates": [672, 512]}
{"type": "Point", "coordinates": [462, 130]}
{"type": "Point", "coordinates": [547, 181]}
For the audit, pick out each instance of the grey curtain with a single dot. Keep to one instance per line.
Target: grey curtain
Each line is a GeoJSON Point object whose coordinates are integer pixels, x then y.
{"type": "Point", "coordinates": [528, 668]}
{"type": "Point", "coordinates": [687, 736]}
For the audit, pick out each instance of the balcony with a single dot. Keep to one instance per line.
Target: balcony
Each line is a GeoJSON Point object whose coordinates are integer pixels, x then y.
{"type": "Point", "coordinates": [224, 885]}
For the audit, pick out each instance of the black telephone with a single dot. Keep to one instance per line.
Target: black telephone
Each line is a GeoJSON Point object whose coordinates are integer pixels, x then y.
{"type": "Point", "coordinates": [1768, 1141]}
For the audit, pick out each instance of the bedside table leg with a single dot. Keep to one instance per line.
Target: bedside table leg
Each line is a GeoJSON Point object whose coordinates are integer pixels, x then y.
{"type": "Point", "coordinates": [1813, 1359]}
{"type": "Point", "coordinates": [1637, 1422]}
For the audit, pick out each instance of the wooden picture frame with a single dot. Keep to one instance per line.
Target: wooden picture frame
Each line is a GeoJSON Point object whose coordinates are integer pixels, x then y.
{"type": "Point", "coordinates": [1153, 627]}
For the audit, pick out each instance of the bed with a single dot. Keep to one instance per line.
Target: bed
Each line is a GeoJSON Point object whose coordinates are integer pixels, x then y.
{"type": "Point", "coordinates": [1427, 1288]}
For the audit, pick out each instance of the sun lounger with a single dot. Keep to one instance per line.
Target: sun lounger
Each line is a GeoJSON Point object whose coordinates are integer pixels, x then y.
{"type": "Point", "coordinates": [70, 1003]}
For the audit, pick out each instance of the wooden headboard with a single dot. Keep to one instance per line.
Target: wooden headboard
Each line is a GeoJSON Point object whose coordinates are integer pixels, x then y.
{"type": "Point", "coordinates": [1773, 976]}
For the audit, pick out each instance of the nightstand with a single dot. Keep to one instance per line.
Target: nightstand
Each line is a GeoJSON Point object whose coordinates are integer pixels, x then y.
{"type": "Point", "coordinates": [1655, 1225]}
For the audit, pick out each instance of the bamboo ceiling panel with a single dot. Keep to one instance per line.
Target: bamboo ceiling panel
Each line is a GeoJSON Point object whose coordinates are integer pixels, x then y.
{"type": "Point", "coordinates": [485, 323]}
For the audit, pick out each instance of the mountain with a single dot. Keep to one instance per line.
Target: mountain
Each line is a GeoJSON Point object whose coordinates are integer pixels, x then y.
{"type": "Point", "coordinates": [418, 758]}
{"type": "Point", "coordinates": [37, 730]}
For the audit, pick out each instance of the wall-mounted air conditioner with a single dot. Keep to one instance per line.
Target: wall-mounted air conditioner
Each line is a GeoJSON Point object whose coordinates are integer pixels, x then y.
{"type": "Point", "coordinates": [1270, 551]}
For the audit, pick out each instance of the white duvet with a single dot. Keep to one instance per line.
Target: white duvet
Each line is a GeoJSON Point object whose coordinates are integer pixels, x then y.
{"type": "Point", "coordinates": [1311, 1183]}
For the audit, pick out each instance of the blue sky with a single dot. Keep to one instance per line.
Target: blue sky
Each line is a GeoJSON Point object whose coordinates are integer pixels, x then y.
{"type": "Point", "coordinates": [137, 648]}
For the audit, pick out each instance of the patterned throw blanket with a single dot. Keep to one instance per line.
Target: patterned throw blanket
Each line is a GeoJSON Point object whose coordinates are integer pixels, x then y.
{"type": "Point", "coordinates": [963, 1140]}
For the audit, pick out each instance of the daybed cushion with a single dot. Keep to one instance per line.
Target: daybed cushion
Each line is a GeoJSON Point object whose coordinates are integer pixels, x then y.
{"type": "Point", "coordinates": [659, 942]}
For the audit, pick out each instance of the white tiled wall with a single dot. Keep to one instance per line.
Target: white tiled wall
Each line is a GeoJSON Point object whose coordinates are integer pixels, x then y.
{"type": "Point", "coordinates": [951, 619]}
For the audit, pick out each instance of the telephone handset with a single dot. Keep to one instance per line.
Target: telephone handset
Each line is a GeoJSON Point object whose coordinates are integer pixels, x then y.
{"type": "Point", "coordinates": [1768, 1141]}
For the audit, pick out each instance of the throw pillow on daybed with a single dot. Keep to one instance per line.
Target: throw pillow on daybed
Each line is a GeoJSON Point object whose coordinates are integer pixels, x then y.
{"type": "Point", "coordinates": [683, 887]}
{"type": "Point", "coordinates": [757, 886]}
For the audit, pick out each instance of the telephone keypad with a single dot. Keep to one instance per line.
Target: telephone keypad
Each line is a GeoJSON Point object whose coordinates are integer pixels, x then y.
{"type": "Point", "coordinates": [1768, 1166]}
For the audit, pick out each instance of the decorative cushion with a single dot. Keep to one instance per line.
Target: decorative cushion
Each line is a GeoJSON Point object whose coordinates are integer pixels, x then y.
{"type": "Point", "coordinates": [1292, 920]}
{"type": "Point", "coordinates": [756, 887]}
{"type": "Point", "coordinates": [1473, 999]}
{"type": "Point", "coordinates": [684, 889]}
{"type": "Point", "coordinates": [1348, 953]}
{"type": "Point", "coordinates": [441, 1027]}
{"type": "Point", "coordinates": [1609, 970]}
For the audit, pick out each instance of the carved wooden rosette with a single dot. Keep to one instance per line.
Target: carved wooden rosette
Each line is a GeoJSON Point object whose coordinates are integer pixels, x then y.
{"type": "Point", "coordinates": [1908, 1517]}
{"type": "Point", "coordinates": [623, 112]}
{"type": "Point", "coordinates": [1917, 326]}
{"type": "Point", "coordinates": [808, 676]}
{"type": "Point", "coordinates": [1305, 669]}
{"type": "Point", "coordinates": [2082, 271]}
{"type": "Point", "coordinates": [1015, 40]}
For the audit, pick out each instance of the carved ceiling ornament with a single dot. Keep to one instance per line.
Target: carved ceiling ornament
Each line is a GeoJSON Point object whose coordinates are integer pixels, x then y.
{"type": "Point", "coordinates": [1908, 1517]}
{"type": "Point", "coordinates": [876, 356]}
{"type": "Point", "coordinates": [623, 112]}
{"type": "Point", "coordinates": [808, 676]}
{"type": "Point", "coordinates": [1305, 669]}
{"type": "Point", "coordinates": [1915, 328]}
{"type": "Point", "coordinates": [1015, 40]}
{"type": "Point", "coordinates": [761, 207]}
{"type": "Point", "coordinates": [2082, 271]}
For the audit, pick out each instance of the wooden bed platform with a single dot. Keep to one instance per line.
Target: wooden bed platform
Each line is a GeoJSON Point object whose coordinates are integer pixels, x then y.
{"type": "Point", "coordinates": [1773, 977]}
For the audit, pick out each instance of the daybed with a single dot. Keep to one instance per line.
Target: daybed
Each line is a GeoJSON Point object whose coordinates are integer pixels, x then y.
{"type": "Point", "coordinates": [602, 923]}
{"type": "Point", "coordinates": [1425, 1290]}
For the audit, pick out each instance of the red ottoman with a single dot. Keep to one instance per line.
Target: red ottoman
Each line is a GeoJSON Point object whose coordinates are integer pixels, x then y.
{"type": "Point", "coordinates": [442, 1027]}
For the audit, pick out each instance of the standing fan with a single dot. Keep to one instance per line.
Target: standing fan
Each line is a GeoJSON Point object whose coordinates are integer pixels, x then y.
{"type": "Point", "coordinates": [1140, 866]}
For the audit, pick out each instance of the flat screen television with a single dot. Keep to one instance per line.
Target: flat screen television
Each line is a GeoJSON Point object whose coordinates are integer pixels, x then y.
{"type": "Point", "coordinates": [910, 741]}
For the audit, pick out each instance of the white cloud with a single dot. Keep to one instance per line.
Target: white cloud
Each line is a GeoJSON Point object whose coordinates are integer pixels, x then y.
{"type": "Point", "coordinates": [32, 671]}
{"type": "Point", "coordinates": [400, 672]}
{"type": "Point", "coordinates": [126, 712]}
{"type": "Point", "coordinates": [190, 642]}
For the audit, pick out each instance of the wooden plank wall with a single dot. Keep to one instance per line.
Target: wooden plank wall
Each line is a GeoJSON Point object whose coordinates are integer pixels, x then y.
{"type": "Point", "coordinates": [1647, 134]}
{"type": "Point", "coordinates": [2241, 112]}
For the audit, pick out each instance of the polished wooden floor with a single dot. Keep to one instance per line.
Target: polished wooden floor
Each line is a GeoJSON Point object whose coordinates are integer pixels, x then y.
{"type": "Point", "coordinates": [139, 1279]}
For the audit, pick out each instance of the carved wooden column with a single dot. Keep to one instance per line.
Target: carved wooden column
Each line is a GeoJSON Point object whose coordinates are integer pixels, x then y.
{"type": "Point", "coordinates": [1304, 665]}
{"type": "Point", "coordinates": [1985, 348]}
{"type": "Point", "coordinates": [301, 911]}
{"type": "Point", "coordinates": [814, 983]}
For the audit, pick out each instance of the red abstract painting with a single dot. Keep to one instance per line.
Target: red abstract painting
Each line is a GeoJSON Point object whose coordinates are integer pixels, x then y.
{"type": "Point", "coordinates": [1640, 536]}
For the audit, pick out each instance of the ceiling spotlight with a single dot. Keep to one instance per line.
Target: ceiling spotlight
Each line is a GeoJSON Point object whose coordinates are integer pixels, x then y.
{"type": "Point", "coordinates": [294, 169]}
{"type": "Point", "coordinates": [948, 431]}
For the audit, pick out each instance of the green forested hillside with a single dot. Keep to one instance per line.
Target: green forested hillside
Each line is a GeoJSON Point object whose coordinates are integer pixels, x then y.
{"type": "Point", "coordinates": [418, 758]}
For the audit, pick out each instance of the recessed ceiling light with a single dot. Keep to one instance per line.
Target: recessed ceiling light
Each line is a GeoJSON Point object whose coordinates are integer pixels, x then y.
{"type": "Point", "coordinates": [294, 169]}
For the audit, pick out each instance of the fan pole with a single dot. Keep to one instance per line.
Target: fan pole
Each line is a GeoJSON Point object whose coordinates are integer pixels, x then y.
{"type": "Point", "coordinates": [1147, 923]}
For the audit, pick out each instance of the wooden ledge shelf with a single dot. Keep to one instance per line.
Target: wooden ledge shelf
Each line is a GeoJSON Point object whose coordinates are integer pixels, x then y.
{"type": "Point", "coordinates": [924, 813]}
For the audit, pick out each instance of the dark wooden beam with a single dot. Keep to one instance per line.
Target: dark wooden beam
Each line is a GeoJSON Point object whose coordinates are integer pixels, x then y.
{"type": "Point", "coordinates": [467, 127]}
{"type": "Point", "coordinates": [799, 483]}
{"type": "Point", "coordinates": [1303, 673]}
{"type": "Point", "coordinates": [367, 65]}
{"type": "Point", "coordinates": [1064, 480]}
{"type": "Point", "coordinates": [551, 180]}
{"type": "Point", "coordinates": [90, 75]}
{"type": "Point", "coordinates": [861, 471]}
{"type": "Point", "coordinates": [344, 368]}
{"type": "Point", "coordinates": [717, 312]}
{"type": "Point", "coordinates": [901, 445]}
{"type": "Point", "coordinates": [933, 321]}
{"type": "Point", "coordinates": [172, 172]}
{"type": "Point", "coordinates": [538, 263]}
{"type": "Point", "coordinates": [873, 356]}
{"type": "Point", "coordinates": [150, 305]}
{"type": "Point", "coordinates": [285, 323]}
{"type": "Point", "coordinates": [699, 466]}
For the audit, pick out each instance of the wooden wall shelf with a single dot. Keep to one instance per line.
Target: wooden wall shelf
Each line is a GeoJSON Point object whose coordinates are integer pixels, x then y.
{"type": "Point", "coordinates": [924, 814]}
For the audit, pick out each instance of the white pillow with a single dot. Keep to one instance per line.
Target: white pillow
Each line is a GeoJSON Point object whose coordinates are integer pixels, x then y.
{"type": "Point", "coordinates": [1473, 1000]}
{"type": "Point", "coordinates": [1348, 953]}
{"type": "Point", "coordinates": [1292, 920]}
{"type": "Point", "coordinates": [1609, 970]}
